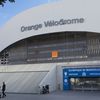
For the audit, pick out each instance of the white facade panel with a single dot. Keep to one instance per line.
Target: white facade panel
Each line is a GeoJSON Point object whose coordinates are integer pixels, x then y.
{"type": "Point", "coordinates": [66, 10]}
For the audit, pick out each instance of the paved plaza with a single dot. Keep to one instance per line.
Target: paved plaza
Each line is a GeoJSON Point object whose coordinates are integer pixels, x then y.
{"type": "Point", "coordinates": [71, 95]}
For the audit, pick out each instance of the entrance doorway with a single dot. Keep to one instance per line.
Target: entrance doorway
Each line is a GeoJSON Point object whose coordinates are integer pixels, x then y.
{"type": "Point", "coordinates": [85, 83]}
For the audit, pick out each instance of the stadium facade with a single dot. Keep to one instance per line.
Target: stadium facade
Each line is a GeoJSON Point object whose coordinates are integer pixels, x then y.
{"type": "Point", "coordinates": [56, 44]}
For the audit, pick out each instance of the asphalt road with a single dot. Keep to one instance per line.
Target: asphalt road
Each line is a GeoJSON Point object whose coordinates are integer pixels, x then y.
{"type": "Point", "coordinates": [71, 95]}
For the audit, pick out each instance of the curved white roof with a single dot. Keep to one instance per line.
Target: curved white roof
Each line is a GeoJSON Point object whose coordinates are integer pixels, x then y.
{"type": "Point", "coordinates": [65, 15]}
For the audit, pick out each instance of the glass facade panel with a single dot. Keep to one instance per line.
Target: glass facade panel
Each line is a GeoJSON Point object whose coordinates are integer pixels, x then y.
{"type": "Point", "coordinates": [85, 83]}
{"type": "Point", "coordinates": [72, 46]}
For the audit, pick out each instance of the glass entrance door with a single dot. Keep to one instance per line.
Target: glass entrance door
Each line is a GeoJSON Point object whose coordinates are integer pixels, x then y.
{"type": "Point", "coordinates": [85, 83]}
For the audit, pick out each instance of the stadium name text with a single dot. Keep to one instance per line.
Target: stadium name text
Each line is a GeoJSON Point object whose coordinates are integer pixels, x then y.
{"type": "Point", "coordinates": [52, 23]}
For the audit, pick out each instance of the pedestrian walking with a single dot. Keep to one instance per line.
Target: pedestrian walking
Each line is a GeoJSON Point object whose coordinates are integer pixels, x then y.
{"type": "Point", "coordinates": [3, 89]}
{"type": "Point", "coordinates": [0, 92]}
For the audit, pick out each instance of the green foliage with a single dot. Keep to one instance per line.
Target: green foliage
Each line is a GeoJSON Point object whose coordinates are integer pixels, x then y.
{"type": "Point", "coordinates": [4, 1]}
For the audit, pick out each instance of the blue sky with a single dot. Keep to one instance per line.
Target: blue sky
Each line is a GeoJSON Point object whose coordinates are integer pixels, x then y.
{"type": "Point", "coordinates": [11, 9]}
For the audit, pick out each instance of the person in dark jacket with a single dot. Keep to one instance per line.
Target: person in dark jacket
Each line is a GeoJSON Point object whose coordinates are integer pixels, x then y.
{"type": "Point", "coordinates": [3, 89]}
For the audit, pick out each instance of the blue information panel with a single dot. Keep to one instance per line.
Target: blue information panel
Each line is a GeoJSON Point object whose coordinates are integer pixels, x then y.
{"type": "Point", "coordinates": [78, 72]}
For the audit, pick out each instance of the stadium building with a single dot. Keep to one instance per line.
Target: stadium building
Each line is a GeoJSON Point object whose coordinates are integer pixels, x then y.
{"type": "Point", "coordinates": [56, 44]}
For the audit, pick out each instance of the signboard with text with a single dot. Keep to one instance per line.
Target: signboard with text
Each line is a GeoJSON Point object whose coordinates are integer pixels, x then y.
{"type": "Point", "coordinates": [78, 72]}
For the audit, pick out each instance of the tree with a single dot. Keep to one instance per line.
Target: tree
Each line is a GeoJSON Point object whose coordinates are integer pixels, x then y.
{"type": "Point", "coordinates": [4, 1]}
